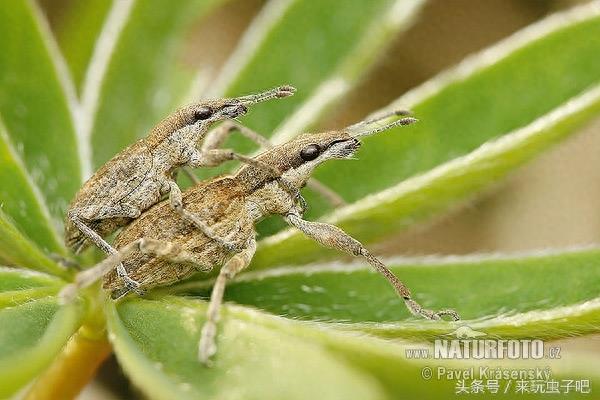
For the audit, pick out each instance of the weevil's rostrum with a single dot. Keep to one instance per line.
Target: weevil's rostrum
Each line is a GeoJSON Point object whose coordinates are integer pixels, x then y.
{"type": "Point", "coordinates": [160, 247]}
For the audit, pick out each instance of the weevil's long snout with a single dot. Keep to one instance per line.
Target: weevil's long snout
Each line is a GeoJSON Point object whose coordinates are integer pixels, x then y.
{"type": "Point", "coordinates": [275, 93]}
{"type": "Point", "coordinates": [373, 125]}
{"type": "Point", "coordinates": [239, 106]}
{"type": "Point", "coordinates": [234, 110]}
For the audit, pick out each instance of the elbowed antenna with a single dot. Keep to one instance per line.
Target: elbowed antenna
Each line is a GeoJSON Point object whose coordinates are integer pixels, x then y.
{"type": "Point", "coordinates": [278, 92]}
{"type": "Point", "coordinates": [356, 130]}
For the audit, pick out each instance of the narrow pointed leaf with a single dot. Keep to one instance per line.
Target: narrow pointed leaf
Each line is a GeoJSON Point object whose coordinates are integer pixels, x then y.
{"type": "Point", "coordinates": [18, 286]}
{"type": "Point", "coordinates": [322, 49]}
{"type": "Point", "coordinates": [12, 279]}
{"type": "Point", "coordinates": [79, 29]}
{"type": "Point", "coordinates": [477, 123]}
{"type": "Point", "coordinates": [16, 249]}
{"type": "Point", "coordinates": [127, 88]}
{"type": "Point", "coordinates": [37, 105]}
{"type": "Point", "coordinates": [261, 356]}
{"type": "Point", "coordinates": [21, 200]}
{"type": "Point", "coordinates": [32, 334]}
{"type": "Point", "coordinates": [542, 296]}
{"type": "Point", "coordinates": [156, 342]}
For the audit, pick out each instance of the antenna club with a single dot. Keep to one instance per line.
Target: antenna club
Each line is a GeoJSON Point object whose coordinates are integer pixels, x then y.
{"type": "Point", "coordinates": [285, 91]}
{"type": "Point", "coordinates": [407, 121]}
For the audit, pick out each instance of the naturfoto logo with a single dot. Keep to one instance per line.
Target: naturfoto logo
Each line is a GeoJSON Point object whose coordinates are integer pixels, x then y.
{"type": "Point", "coordinates": [467, 345]}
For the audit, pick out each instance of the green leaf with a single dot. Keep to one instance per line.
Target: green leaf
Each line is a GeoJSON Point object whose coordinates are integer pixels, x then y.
{"type": "Point", "coordinates": [18, 286]}
{"type": "Point", "coordinates": [16, 249]}
{"type": "Point", "coordinates": [542, 296]}
{"type": "Point", "coordinates": [13, 279]}
{"type": "Point", "coordinates": [533, 90]}
{"type": "Point", "coordinates": [37, 107]}
{"type": "Point", "coordinates": [156, 342]}
{"type": "Point", "coordinates": [266, 357]}
{"type": "Point", "coordinates": [32, 334]}
{"type": "Point", "coordinates": [322, 49]}
{"type": "Point", "coordinates": [21, 200]}
{"type": "Point", "coordinates": [80, 26]}
{"type": "Point", "coordinates": [127, 87]}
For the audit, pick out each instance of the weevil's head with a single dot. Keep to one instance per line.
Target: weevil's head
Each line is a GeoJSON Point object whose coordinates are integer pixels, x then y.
{"type": "Point", "coordinates": [210, 111]}
{"type": "Point", "coordinates": [297, 159]}
{"type": "Point", "coordinates": [194, 120]}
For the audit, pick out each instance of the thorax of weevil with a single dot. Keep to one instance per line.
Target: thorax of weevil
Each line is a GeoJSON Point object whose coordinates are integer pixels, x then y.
{"type": "Point", "coordinates": [175, 149]}
{"type": "Point", "coordinates": [268, 199]}
{"type": "Point", "coordinates": [219, 202]}
{"type": "Point", "coordinates": [265, 194]}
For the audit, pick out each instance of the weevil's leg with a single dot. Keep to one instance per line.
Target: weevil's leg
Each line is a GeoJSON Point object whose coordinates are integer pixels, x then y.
{"type": "Point", "coordinates": [176, 201]}
{"type": "Point", "coordinates": [91, 275]}
{"type": "Point", "coordinates": [190, 175]}
{"type": "Point", "coordinates": [214, 157]}
{"type": "Point", "coordinates": [328, 194]}
{"type": "Point", "coordinates": [218, 136]}
{"type": "Point", "coordinates": [91, 234]}
{"type": "Point", "coordinates": [333, 237]}
{"type": "Point", "coordinates": [64, 261]}
{"type": "Point", "coordinates": [105, 247]}
{"type": "Point", "coordinates": [169, 251]}
{"type": "Point", "coordinates": [157, 248]}
{"type": "Point", "coordinates": [207, 346]}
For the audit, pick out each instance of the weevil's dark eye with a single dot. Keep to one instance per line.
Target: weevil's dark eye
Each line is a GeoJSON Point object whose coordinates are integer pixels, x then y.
{"type": "Point", "coordinates": [310, 152]}
{"type": "Point", "coordinates": [202, 113]}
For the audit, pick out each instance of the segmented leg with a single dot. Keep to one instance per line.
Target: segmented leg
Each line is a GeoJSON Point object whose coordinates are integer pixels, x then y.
{"type": "Point", "coordinates": [190, 175]}
{"type": "Point", "coordinates": [207, 346]}
{"type": "Point", "coordinates": [106, 248]}
{"type": "Point", "coordinates": [64, 261]}
{"type": "Point", "coordinates": [157, 248]}
{"type": "Point", "coordinates": [333, 237]}
{"type": "Point", "coordinates": [176, 201]}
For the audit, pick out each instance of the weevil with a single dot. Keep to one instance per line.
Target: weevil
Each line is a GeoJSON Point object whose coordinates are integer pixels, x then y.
{"type": "Point", "coordinates": [137, 177]}
{"type": "Point", "coordinates": [160, 248]}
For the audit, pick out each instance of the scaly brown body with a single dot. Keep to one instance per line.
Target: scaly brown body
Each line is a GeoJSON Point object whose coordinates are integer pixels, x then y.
{"type": "Point", "coordinates": [161, 248]}
{"type": "Point", "coordinates": [137, 177]}
{"type": "Point", "coordinates": [219, 202]}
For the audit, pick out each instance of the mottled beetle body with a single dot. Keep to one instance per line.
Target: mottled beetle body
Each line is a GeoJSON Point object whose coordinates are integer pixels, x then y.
{"type": "Point", "coordinates": [137, 177]}
{"type": "Point", "coordinates": [160, 247]}
{"type": "Point", "coordinates": [230, 205]}
{"type": "Point", "coordinates": [219, 202]}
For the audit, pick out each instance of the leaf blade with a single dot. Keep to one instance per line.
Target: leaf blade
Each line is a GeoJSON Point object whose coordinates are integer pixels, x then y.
{"type": "Point", "coordinates": [36, 98]}
{"type": "Point", "coordinates": [21, 200]}
{"type": "Point", "coordinates": [80, 27]}
{"type": "Point", "coordinates": [163, 370]}
{"type": "Point", "coordinates": [500, 295]}
{"type": "Point", "coordinates": [17, 249]}
{"type": "Point", "coordinates": [349, 39]}
{"type": "Point", "coordinates": [33, 334]}
{"type": "Point", "coordinates": [128, 74]}
{"type": "Point", "coordinates": [379, 368]}
{"type": "Point", "coordinates": [386, 159]}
